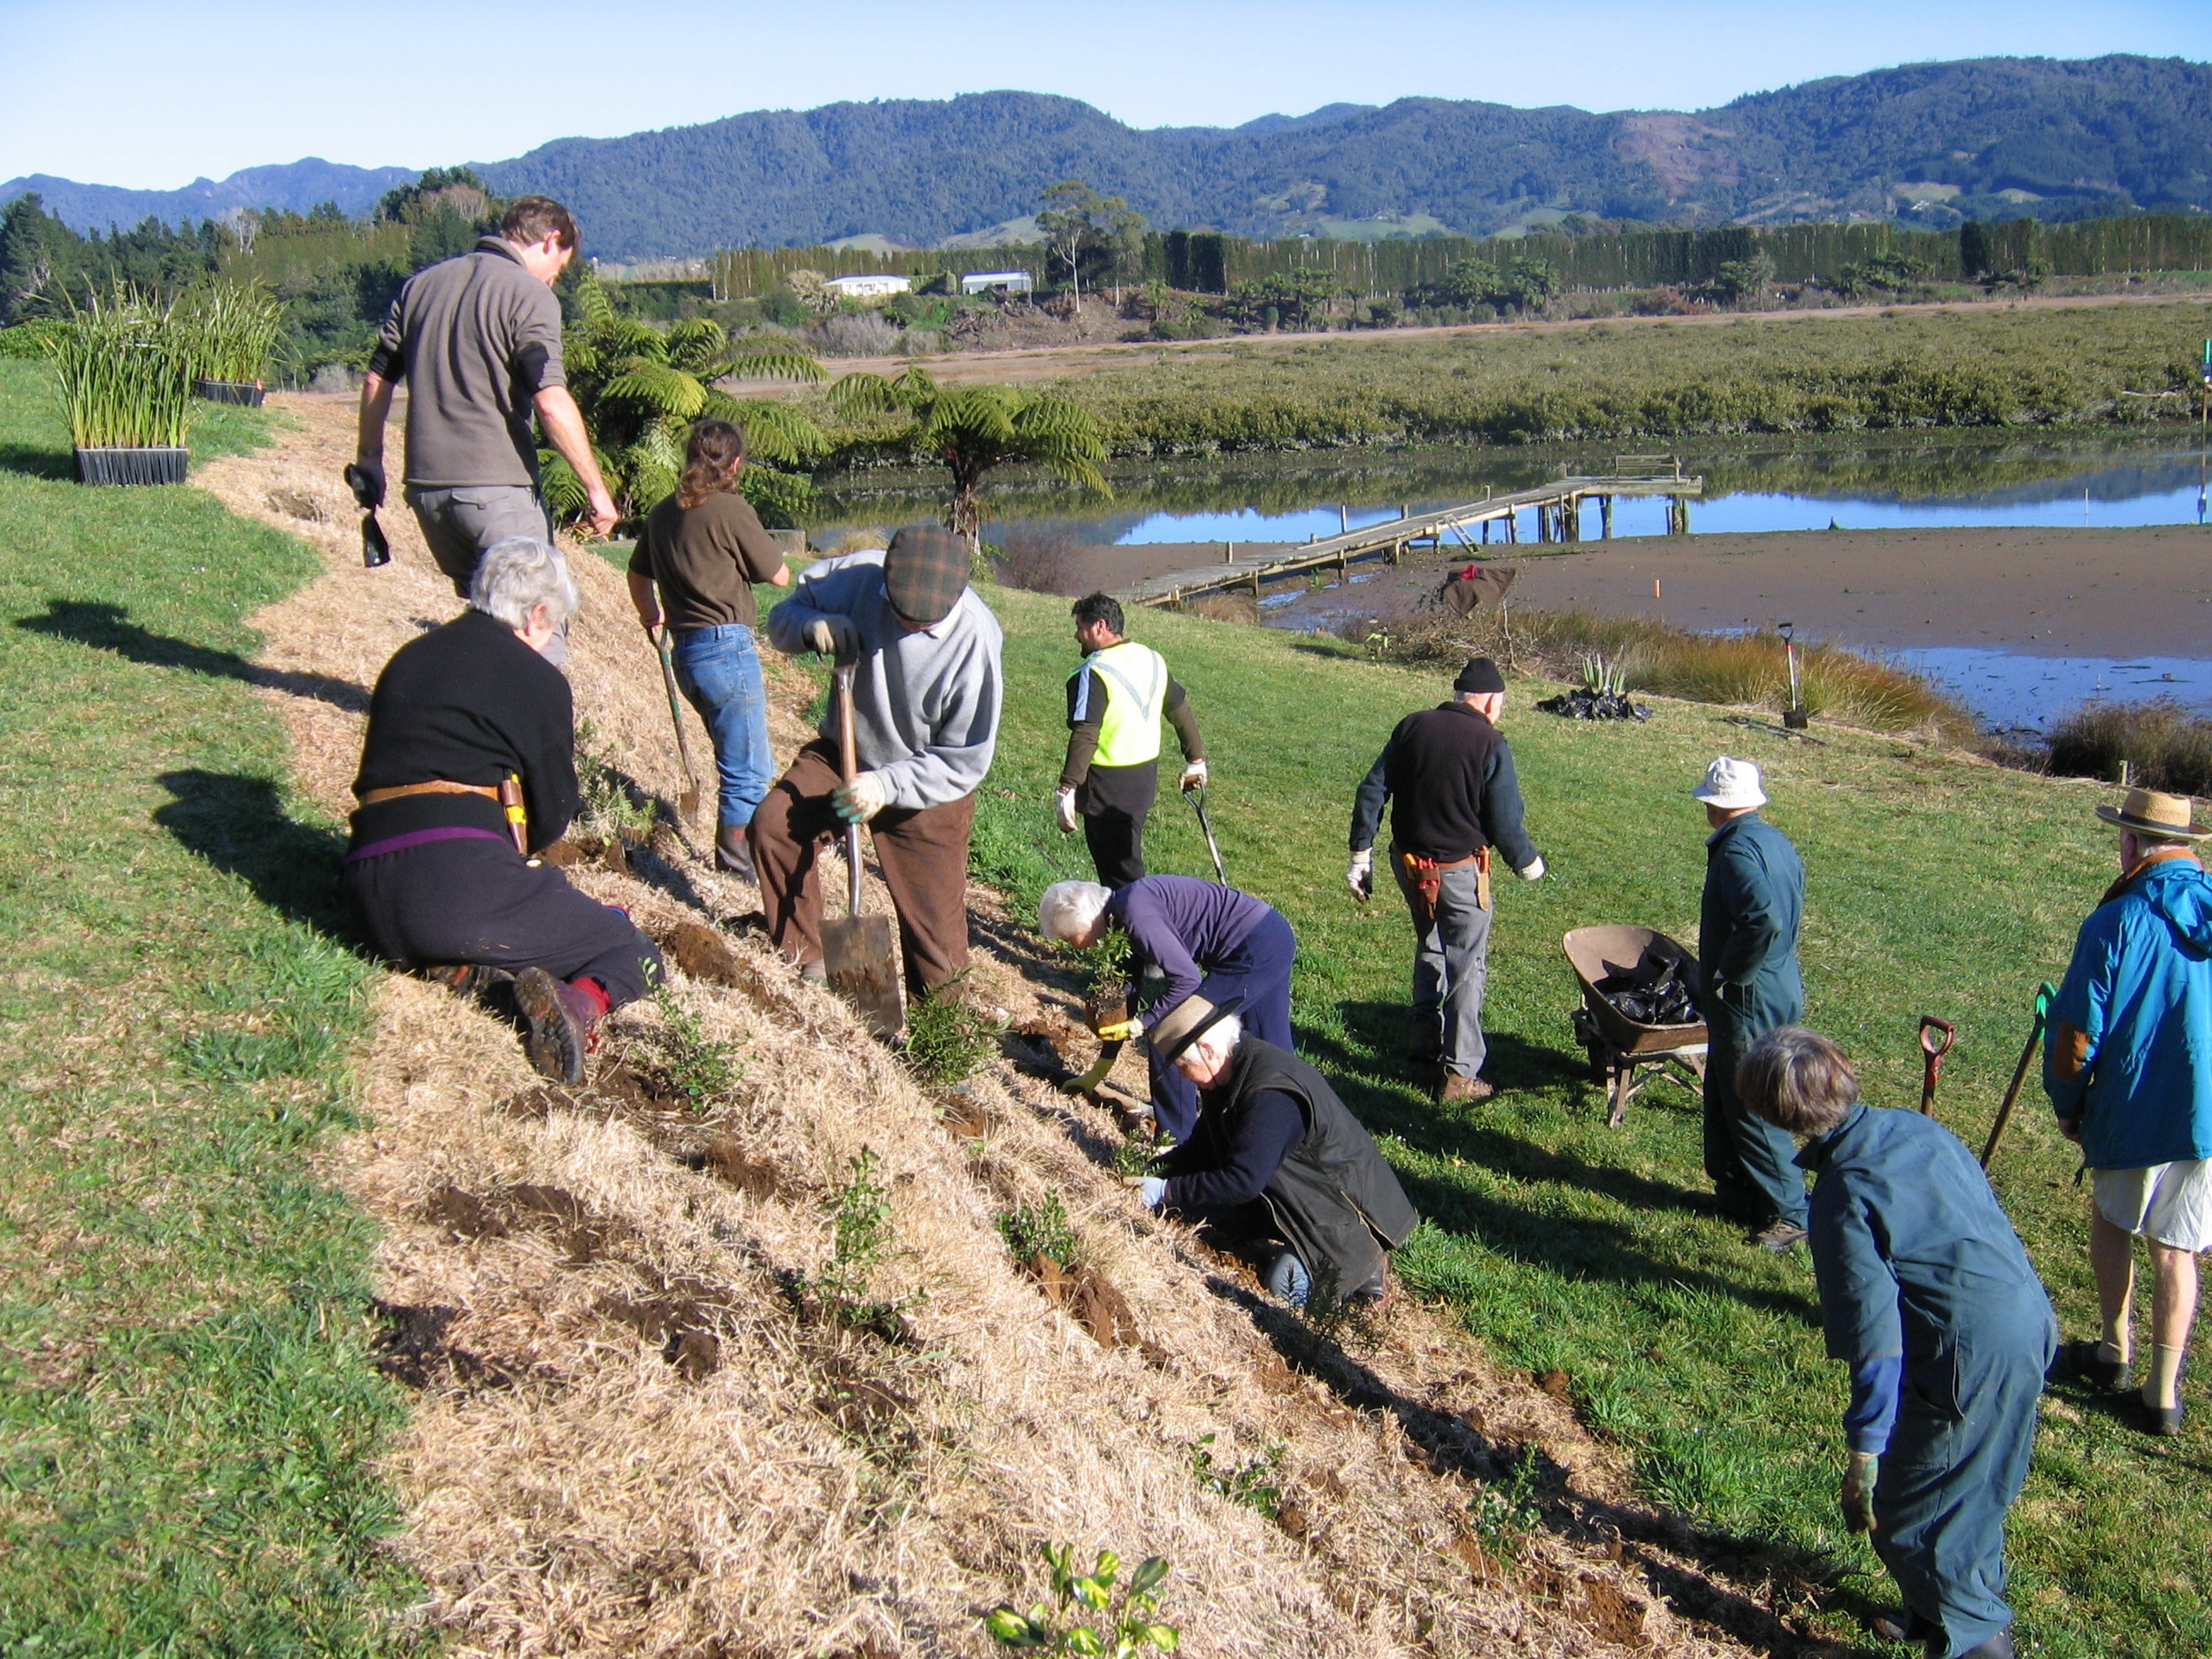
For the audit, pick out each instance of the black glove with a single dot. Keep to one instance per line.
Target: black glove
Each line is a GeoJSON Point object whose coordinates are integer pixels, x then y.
{"type": "Point", "coordinates": [366, 479]}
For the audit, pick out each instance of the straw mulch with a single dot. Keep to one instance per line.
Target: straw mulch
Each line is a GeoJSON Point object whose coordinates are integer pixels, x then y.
{"type": "Point", "coordinates": [640, 1425]}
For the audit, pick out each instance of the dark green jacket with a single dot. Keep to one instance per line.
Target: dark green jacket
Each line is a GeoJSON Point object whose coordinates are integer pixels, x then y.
{"type": "Point", "coordinates": [1747, 938]}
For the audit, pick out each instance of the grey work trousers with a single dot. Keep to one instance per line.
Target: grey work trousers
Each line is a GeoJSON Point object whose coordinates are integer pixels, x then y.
{"type": "Point", "coordinates": [1451, 964]}
{"type": "Point", "coordinates": [463, 522]}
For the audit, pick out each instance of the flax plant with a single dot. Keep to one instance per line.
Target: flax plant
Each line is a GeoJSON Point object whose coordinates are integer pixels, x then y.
{"type": "Point", "coordinates": [126, 376]}
{"type": "Point", "coordinates": [230, 329]}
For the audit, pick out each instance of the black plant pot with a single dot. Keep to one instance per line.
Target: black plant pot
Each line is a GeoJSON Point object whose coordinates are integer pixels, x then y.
{"type": "Point", "coordinates": [247, 392]}
{"type": "Point", "coordinates": [132, 466]}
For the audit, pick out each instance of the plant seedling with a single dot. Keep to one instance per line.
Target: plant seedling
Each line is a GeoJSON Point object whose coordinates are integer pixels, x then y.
{"type": "Point", "coordinates": [1123, 1633]}
{"type": "Point", "coordinates": [1041, 1230]}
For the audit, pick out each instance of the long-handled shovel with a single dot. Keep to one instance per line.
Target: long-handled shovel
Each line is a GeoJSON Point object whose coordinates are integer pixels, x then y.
{"type": "Point", "coordinates": [2044, 993]}
{"type": "Point", "coordinates": [1197, 799]}
{"type": "Point", "coordinates": [857, 950]}
{"type": "Point", "coordinates": [1936, 1038]}
{"type": "Point", "coordinates": [688, 804]}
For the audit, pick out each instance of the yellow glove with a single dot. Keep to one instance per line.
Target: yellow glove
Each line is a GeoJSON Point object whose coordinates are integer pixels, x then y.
{"type": "Point", "coordinates": [833, 636]}
{"type": "Point", "coordinates": [1120, 1032]}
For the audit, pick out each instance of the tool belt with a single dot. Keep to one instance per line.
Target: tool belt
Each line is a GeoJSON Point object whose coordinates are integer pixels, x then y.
{"type": "Point", "coordinates": [507, 792]}
{"type": "Point", "coordinates": [1425, 879]}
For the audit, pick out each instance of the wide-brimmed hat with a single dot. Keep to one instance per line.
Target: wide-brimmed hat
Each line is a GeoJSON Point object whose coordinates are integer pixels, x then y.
{"type": "Point", "coordinates": [2155, 814]}
{"type": "Point", "coordinates": [1731, 785]}
{"type": "Point", "coordinates": [925, 571]}
{"type": "Point", "coordinates": [1185, 1023]}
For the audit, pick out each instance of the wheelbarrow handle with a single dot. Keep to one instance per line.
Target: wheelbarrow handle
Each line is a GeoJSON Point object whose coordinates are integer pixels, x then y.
{"type": "Point", "coordinates": [1934, 1047]}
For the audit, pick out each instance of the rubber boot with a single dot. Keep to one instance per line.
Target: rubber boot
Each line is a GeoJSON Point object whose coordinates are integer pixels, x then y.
{"type": "Point", "coordinates": [563, 1022]}
{"type": "Point", "coordinates": [732, 855]}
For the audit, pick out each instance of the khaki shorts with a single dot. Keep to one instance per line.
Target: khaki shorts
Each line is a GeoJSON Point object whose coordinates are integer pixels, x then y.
{"type": "Point", "coordinates": [2170, 1204]}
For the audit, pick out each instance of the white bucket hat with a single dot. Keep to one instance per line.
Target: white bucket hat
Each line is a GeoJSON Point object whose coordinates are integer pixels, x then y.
{"type": "Point", "coordinates": [1731, 785]}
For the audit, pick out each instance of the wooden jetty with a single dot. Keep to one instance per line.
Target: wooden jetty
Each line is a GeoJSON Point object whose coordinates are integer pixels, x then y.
{"type": "Point", "coordinates": [1558, 514]}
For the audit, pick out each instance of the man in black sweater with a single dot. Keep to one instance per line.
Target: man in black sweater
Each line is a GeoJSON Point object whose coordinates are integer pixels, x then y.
{"type": "Point", "coordinates": [1448, 774]}
{"type": "Point", "coordinates": [467, 772]}
{"type": "Point", "coordinates": [1279, 1164]}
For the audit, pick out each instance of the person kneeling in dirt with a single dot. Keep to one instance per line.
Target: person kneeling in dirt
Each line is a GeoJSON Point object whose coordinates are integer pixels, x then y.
{"type": "Point", "coordinates": [923, 655]}
{"type": "Point", "coordinates": [1209, 943]}
{"type": "Point", "coordinates": [468, 769]}
{"type": "Point", "coordinates": [1926, 1293]}
{"type": "Point", "coordinates": [1277, 1158]}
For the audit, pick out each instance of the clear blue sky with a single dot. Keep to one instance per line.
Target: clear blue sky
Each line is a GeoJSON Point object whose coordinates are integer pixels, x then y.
{"type": "Point", "coordinates": [150, 93]}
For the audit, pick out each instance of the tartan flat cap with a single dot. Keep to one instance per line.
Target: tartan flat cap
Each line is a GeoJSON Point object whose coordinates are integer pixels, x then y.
{"type": "Point", "coordinates": [924, 571]}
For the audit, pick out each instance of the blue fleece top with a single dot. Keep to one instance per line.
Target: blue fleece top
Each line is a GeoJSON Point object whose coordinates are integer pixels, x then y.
{"type": "Point", "coordinates": [2129, 1051]}
{"type": "Point", "coordinates": [1183, 926]}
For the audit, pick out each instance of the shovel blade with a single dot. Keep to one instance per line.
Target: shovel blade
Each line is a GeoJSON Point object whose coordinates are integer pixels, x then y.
{"type": "Point", "coordinates": [863, 964]}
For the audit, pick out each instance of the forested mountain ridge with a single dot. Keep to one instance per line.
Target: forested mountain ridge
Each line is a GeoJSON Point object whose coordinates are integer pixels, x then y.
{"type": "Point", "coordinates": [297, 185]}
{"type": "Point", "coordinates": [1929, 143]}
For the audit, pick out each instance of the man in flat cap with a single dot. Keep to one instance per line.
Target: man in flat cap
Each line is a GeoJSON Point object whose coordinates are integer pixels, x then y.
{"type": "Point", "coordinates": [925, 651]}
{"type": "Point", "coordinates": [1448, 773]}
{"type": "Point", "coordinates": [2128, 1066]}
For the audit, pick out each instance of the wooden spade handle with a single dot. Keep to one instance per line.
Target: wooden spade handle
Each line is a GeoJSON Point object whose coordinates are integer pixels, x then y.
{"type": "Point", "coordinates": [847, 765]}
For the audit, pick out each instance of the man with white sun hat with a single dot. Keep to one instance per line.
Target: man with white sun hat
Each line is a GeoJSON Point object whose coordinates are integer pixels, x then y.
{"type": "Point", "coordinates": [1747, 964]}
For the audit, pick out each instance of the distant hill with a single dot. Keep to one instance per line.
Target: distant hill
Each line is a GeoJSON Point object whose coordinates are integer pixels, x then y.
{"type": "Point", "coordinates": [1929, 143]}
{"type": "Point", "coordinates": [299, 186]}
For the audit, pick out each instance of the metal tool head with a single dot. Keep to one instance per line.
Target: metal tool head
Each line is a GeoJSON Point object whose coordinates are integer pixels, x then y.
{"type": "Point", "coordinates": [862, 960]}
{"type": "Point", "coordinates": [1197, 799]}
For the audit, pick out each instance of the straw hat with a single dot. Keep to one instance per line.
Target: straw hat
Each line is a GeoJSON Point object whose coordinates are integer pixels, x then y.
{"type": "Point", "coordinates": [2155, 814]}
{"type": "Point", "coordinates": [1731, 785]}
{"type": "Point", "coordinates": [1185, 1023]}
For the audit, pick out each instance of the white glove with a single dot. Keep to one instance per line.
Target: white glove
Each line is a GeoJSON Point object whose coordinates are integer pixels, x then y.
{"type": "Point", "coordinates": [1194, 776]}
{"type": "Point", "coordinates": [1361, 876]}
{"type": "Point", "coordinates": [863, 798]}
{"type": "Point", "coordinates": [1063, 810]}
{"type": "Point", "coordinates": [1152, 1192]}
{"type": "Point", "coordinates": [833, 636]}
{"type": "Point", "coordinates": [1533, 871]}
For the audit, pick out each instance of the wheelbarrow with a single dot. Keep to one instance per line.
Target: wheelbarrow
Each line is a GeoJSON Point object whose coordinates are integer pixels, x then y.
{"type": "Point", "coordinates": [1624, 1055]}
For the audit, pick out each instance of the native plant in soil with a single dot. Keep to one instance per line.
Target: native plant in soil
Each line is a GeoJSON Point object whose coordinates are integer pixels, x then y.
{"type": "Point", "coordinates": [948, 1037]}
{"type": "Point", "coordinates": [1032, 1230]}
{"type": "Point", "coordinates": [1086, 1617]}
{"type": "Point", "coordinates": [700, 1068]}
{"type": "Point", "coordinates": [861, 1243]}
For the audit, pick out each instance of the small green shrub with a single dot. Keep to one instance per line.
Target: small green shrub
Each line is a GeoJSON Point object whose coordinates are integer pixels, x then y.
{"type": "Point", "coordinates": [1123, 1633]}
{"type": "Point", "coordinates": [1041, 1230]}
{"type": "Point", "coordinates": [1505, 1512]}
{"type": "Point", "coordinates": [861, 1243]}
{"type": "Point", "coordinates": [948, 1037]}
{"type": "Point", "coordinates": [612, 807]}
{"type": "Point", "coordinates": [700, 1067]}
{"type": "Point", "coordinates": [1255, 1483]}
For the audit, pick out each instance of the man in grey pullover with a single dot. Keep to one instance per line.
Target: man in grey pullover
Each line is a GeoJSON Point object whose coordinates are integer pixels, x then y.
{"type": "Point", "coordinates": [925, 652]}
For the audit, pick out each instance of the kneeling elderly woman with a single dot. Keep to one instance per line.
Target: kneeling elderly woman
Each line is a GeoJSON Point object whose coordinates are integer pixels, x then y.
{"type": "Point", "coordinates": [1278, 1163]}
{"type": "Point", "coordinates": [1926, 1292]}
{"type": "Point", "coordinates": [467, 771]}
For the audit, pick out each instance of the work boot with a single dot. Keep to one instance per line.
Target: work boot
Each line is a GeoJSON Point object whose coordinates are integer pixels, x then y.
{"type": "Point", "coordinates": [1456, 1089]}
{"type": "Point", "coordinates": [2085, 1361]}
{"type": "Point", "coordinates": [1779, 1236]}
{"type": "Point", "coordinates": [563, 1022]}
{"type": "Point", "coordinates": [734, 854]}
{"type": "Point", "coordinates": [2164, 1421]}
{"type": "Point", "coordinates": [465, 979]}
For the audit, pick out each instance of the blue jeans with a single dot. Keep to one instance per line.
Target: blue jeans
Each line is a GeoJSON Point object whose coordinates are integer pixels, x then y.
{"type": "Point", "coordinates": [719, 672]}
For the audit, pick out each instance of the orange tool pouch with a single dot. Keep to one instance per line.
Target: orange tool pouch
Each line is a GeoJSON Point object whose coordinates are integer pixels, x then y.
{"type": "Point", "coordinates": [1482, 878]}
{"type": "Point", "coordinates": [1425, 880]}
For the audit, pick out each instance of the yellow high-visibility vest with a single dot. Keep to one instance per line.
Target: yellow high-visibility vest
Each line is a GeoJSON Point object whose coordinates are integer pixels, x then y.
{"type": "Point", "coordinates": [1133, 681]}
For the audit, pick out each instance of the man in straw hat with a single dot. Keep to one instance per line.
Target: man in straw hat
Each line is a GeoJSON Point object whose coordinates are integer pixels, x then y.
{"type": "Point", "coordinates": [925, 652]}
{"type": "Point", "coordinates": [1748, 984]}
{"type": "Point", "coordinates": [1280, 1163]}
{"type": "Point", "coordinates": [2128, 1066]}
{"type": "Point", "coordinates": [1448, 773]}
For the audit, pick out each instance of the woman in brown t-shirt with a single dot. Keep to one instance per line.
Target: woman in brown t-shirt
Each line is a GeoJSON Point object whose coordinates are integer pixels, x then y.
{"type": "Point", "coordinates": [704, 549]}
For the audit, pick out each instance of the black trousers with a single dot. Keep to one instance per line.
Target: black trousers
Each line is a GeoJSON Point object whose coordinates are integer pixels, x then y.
{"type": "Point", "coordinates": [478, 902]}
{"type": "Point", "coordinates": [1115, 801]}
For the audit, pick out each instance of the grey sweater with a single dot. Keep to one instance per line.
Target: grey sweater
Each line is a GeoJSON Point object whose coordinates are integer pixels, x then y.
{"type": "Point", "coordinates": [925, 705]}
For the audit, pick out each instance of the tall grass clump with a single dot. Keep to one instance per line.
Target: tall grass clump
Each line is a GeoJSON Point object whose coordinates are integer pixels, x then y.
{"type": "Point", "coordinates": [231, 330]}
{"type": "Point", "coordinates": [1736, 670]}
{"type": "Point", "coordinates": [2161, 744]}
{"type": "Point", "coordinates": [125, 376]}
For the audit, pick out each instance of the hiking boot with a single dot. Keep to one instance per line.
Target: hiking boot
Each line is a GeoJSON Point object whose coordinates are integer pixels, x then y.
{"type": "Point", "coordinates": [465, 979]}
{"type": "Point", "coordinates": [1905, 1625]}
{"type": "Point", "coordinates": [1781, 1237]}
{"type": "Point", "coordinates": [734, 854]}
{"type": "Point", "coordinates": [2084, 1363]}
{"type": "Point", "coordinates": [563, 1024]}
{"type": "Point", "coordinates": [1456, 1089]}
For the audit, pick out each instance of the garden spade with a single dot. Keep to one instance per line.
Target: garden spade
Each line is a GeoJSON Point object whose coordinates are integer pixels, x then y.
{"type": "Point", "coordinates": [1197, 799]}
{"type": "Point", "coordinates": [2044, 993]}
{"type": "Point", "coordinates": [1936, 1038]}
{"type": "Point", "coordinates": [857, 950]}
{"type": "Point", "coordinates": [688, 804]}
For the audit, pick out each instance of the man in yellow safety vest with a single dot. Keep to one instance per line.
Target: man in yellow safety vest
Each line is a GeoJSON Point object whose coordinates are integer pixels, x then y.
{"type": "Point", "coordinates": [1115, 698]}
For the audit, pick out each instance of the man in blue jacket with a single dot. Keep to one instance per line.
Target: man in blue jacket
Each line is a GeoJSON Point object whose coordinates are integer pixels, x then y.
{"type": "Point", "coordinates": [1747, 964]}
{"type": "Point", "coordinates": [1927, 1294]}
{"type": "Point", "coordinates": [2128, 1066]}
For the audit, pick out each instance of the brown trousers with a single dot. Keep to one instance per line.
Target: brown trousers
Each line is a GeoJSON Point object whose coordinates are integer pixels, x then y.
{"type": "Point", "coordinates": [924, 853]}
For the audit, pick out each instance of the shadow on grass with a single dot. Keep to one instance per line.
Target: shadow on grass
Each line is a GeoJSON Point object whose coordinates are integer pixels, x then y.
{"type": "Point", "coordinates": [237, 823]}
{"type": "Point", "coordinates": [108, 627]}
{"type": "Point", "coordinates": [33, 461]}
{"type": "Point", "coordinates": [1649, 1542]}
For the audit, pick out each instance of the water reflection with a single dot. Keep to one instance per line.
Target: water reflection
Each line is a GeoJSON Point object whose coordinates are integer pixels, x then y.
{"type": "Point", "coordinates": [2010, 688]}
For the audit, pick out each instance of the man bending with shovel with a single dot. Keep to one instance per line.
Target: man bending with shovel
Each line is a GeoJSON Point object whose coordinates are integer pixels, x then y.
{"type": "Point", "coordinates": [917, 654]}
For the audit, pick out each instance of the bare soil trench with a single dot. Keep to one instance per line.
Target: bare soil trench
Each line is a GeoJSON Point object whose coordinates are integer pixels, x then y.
{"type": "Point", "coordinates": [644, 1420]}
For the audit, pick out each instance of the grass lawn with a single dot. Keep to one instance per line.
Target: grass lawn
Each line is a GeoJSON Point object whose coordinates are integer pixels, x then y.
{"type": "Point", "coordinates": [1933, 886]}
{"type": "Point", "coordinates": [188, 1413]}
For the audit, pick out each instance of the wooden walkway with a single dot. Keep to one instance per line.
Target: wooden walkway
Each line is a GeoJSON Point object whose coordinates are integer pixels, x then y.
{"type": "Point", "coordinates": [1558, 514]}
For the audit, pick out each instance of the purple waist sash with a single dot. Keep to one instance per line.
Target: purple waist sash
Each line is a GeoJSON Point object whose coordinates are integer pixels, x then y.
{"type": "Point", "coordinates": [423, 838]}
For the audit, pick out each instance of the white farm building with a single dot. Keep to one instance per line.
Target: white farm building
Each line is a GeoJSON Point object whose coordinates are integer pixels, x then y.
{"type": "Point", "coordinates": [1004, 281]}
{"type": "Point", "coordinates": [880, 287]}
